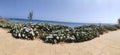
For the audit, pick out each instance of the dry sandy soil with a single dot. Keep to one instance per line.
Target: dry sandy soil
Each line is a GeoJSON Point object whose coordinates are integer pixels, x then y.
{"type": "Point", "coordinates": [107, 44]}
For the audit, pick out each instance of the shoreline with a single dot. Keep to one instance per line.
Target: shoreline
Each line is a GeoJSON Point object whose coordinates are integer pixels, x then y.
{"type": "Point", "coordinates": [106, 44]}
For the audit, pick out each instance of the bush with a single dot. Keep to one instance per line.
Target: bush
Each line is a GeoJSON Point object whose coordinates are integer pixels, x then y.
{"type": "Point", "coordinates": [56, 33]}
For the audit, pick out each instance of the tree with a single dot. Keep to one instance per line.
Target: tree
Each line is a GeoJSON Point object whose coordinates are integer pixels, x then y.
{"type": "Point", "coordinates": [119, 21]}
{"type": "Point", "coordinates": [30, 17]}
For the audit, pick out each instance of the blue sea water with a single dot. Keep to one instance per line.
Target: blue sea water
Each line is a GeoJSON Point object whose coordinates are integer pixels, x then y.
{"type": "Point", "coordinates": [71, 24]}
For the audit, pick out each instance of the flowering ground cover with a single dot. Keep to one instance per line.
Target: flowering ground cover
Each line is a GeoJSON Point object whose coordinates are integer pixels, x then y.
{"type": "Point", "coordinates": [51, 33]}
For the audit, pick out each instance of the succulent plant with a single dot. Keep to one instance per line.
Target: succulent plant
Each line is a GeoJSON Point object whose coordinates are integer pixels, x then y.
{"type": "Point", "coordinates": [51, 33]}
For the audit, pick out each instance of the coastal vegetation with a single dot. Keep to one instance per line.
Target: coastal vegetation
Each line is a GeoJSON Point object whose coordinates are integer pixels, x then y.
{"type": "Point", "coordinates": [119, 21]}
{"type": "Point", "coordinates": [51, 33]}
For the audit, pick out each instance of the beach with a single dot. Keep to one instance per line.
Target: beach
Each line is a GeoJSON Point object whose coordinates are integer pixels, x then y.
{"type": "Point", "coordinates": [107, 44]}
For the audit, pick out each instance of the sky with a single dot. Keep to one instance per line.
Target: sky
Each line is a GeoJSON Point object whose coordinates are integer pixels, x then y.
{"type": "Point", "coordinates": [85, 11]}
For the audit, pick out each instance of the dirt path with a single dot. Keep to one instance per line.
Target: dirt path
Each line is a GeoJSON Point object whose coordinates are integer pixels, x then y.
{"type": "Point", "coordinates": [107, 44]}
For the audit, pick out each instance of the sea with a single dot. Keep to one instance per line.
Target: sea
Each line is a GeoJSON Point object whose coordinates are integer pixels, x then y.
{"type": "Point", "coordinates": [71, 24]}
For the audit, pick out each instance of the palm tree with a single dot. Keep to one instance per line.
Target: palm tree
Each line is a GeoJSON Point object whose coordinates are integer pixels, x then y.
{"type": "Point", "coordinates": [30, 15]}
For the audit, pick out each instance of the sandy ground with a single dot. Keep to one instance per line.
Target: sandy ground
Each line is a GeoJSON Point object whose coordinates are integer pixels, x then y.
{"type": "Point", "coordinates": [107, 44]}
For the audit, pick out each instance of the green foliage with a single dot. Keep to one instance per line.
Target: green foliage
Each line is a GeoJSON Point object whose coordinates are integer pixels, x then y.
{"type": "Point", "coordinates": [119, 21]}
{"type": "Point", "coordinates": [50, 33]}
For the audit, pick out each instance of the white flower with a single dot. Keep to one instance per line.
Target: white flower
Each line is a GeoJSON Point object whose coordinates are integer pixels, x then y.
{"type": "Point", "coordinates": [61, 37]}
{"type": "Point", "coordinates": [19, 34]}
{"type": "Point", "coordinates": [33, 37]}
{"type": "Point", "coordinates": [83, 32]}
{"type": "Point", "coordinates": [27, 29]}
{"type": "Point", "coordinates": [31, 32]}
{"type": "Point", "coordinates": [67, 36]}
{"type": "Point", "coordinates": [26, 37]}
{"type": "Point", "coordinates": [23, 35]}
{"type": "Point", "coordinates": [35, 29]}
{"type": "Point", "coordinates": [15, 35]}
{"type": "Point", "coordinates": [46, 40]}
{"type": "Point", "coordinates": [55, 41]}
{"type": "Point", "coordinates": [49, 36]}
{"type": "Point", "coordinates": [57, 37]}
{"type": "Point", "coordinates": [72, 38]}
{"type": "Point", "coordinates": [64, 36]}
{"type": "Point", "coordinates": [37, 32]}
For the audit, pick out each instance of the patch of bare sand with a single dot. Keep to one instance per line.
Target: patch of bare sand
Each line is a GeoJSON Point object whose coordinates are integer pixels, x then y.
{"type": "Point", "coordinates": [107, 44]}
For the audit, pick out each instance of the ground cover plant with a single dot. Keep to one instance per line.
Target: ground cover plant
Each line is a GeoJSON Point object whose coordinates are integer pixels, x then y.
{"type": "Point", "coordinates": [51, 33]}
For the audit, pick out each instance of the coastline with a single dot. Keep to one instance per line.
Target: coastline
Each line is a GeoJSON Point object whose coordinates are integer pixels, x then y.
{"type": "Point", "coordinates": [106, 44]}
{"type": "Point", "coordinates": [70, 24]}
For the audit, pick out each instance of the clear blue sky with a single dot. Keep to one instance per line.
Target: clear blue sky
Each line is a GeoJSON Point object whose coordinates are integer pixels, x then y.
{"type": "Point", "coordinates": [90, 11]}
